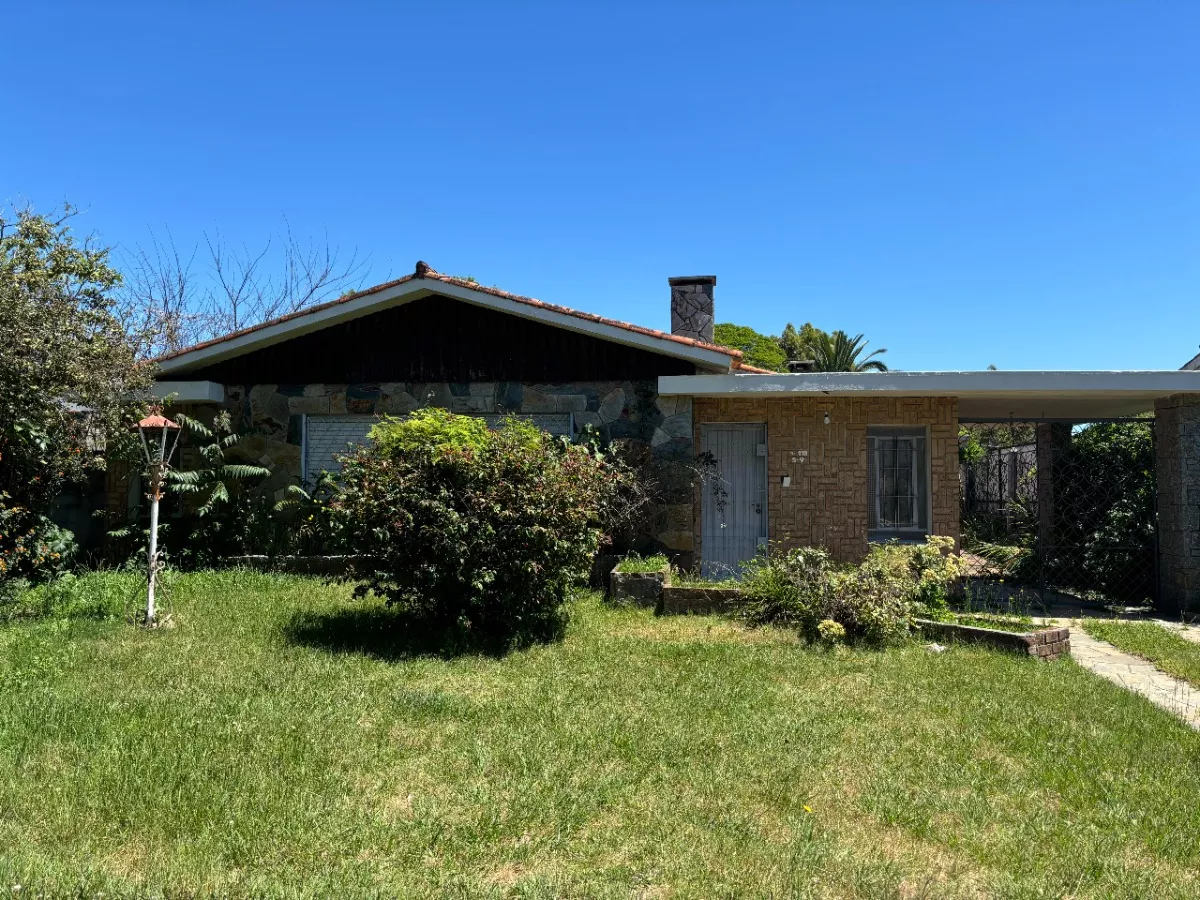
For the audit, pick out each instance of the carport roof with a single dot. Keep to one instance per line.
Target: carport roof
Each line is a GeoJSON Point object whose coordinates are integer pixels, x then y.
{"type": "Point", "coordinates": [989, 396]}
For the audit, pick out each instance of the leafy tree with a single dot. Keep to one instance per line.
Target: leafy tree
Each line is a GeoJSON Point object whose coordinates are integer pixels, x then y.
{"type": "Point", "coordinates": [69, 379]}
{"type": "Point", "coordinates": [798, 343]}
{"type": "Point", "coordinates": [837, 352]}
{"type": "Point", "coordinates": [759, 350]}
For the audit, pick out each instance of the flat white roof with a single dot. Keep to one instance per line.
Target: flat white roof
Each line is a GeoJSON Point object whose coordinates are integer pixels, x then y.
{"type": "Point", "coordinates": [982, 396]}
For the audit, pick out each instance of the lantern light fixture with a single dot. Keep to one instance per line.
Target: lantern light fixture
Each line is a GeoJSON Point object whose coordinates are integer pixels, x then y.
{"type": "Point", "coordinates": [159, 438]}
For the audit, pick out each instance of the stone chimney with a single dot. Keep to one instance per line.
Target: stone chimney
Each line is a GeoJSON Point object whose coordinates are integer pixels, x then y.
{"type": "Point", "coordinates": [692, 306]}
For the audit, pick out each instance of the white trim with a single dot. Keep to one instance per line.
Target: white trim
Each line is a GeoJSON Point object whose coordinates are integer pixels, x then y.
{"type": "Point", "coordinates": [416, 289]}
{"type": "Point", "coordinates": [189, 391]}
{"type": "Point", "coordinates": [1002, 395]}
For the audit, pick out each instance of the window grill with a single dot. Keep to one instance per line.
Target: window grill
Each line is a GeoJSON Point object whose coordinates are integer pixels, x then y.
{"type": "Point", "coordinates": [897, 483]}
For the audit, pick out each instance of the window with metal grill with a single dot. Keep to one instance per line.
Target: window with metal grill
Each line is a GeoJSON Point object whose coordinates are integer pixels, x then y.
{"type": "Point", "coordinates": [897, 483]}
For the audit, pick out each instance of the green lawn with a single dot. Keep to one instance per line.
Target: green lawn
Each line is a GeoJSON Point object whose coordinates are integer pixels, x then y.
{"type": "Point", "coordinates": [1167, 650]}
{"type": "Point", "coordinates": [275, 743]}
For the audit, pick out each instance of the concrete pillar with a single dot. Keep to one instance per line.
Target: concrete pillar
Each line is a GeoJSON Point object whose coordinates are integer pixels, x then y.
{"type": "Point", "coordinates": [1177, 461]}
{"type": "Point", "coordinates": [1052, 437]}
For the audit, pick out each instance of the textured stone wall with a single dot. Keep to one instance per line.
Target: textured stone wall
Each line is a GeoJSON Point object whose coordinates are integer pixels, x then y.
{"type": "Point", "coordinates": [692, 311]}
{"type": "Point", "coordinates": [270, 418]}
{"type": "Point", "coordinates": [826, 502]}
{"type": "Point", "coordinates": [1177, 450]}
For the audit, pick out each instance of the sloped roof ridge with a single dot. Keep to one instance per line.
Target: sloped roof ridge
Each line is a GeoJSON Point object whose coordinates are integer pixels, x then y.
{"type": "Point", "coordinates": [423, 271]}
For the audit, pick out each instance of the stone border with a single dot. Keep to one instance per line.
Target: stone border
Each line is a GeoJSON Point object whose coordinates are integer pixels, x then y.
{"type": "Point", "coordinates": [696, 601]}
{"type": "Point", "coordinates": [1046, 643]}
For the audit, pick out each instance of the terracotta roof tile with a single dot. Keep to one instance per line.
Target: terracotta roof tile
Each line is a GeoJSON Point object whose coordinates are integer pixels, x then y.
{"type": "Point", "coordinates": [424, 272]}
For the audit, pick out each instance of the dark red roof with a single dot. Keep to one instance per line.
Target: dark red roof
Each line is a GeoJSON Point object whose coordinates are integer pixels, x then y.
{"type": "Point", "coordinates": [424, 272]}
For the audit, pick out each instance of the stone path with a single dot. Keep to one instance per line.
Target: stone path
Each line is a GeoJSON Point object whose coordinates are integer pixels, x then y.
{"type": "Point", "coordinates": [1137, 675]}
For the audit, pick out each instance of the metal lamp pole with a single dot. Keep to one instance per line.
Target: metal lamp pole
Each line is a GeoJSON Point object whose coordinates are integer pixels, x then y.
{"type": "Point", "coordinates": [155, 430]}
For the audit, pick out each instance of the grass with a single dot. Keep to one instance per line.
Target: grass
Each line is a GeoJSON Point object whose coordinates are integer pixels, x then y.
{"type": "Point", "coordinates": [693, 579]}
{"type": "Point", "coordinates": [279, 741]}
{"type": "Point", "coordinates": [635, 563]}
{"type": "Point", "coordinates": [1167, 650]}
{"type": "Point", "coordinates": [997, 622]}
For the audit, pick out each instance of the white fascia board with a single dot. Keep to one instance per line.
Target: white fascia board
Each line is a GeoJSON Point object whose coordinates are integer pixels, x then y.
{"type": "Point", "coordinates": [413, 290]}
{"type": "Point", "coordinates": [1149, 384]}
{"type": "Point", "coordinates": [190, 391]}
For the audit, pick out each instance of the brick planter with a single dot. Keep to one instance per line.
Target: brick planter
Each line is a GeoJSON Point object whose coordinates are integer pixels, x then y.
{"type": "Point", "coordinates": [1048, 643]}
{"type": "Point", "coordinates": [682, 601]}
{"type": "Point", "coordinates": [642, 588]}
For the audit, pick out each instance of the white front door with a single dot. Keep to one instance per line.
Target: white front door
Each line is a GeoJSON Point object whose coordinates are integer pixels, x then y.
{"type": "Point", "coordinates": [733, 508]}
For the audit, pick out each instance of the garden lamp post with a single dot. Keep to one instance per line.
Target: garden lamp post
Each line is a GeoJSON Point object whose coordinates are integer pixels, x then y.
{"type": "Point", "coordinates": [159, 437]}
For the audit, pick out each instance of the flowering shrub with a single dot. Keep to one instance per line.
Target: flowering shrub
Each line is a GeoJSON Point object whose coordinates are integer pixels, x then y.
{"type": "Point", "coordinates": [874, 602]}
{"type": "Point", "coordinates": [31, 547]}
{"type": "Point", "coordinates": [475, 532]}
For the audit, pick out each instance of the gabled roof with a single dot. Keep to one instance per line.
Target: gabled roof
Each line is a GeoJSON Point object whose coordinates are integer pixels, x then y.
{"type": "Point", "coordinates": [424, 281]}
{"type": "Point", "coordinates": [1193, 364]}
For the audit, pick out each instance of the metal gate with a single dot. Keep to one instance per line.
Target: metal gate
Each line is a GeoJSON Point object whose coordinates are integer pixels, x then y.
{"type": "Point", "coordinates": [1060, 513]}
{"type": "Point", "coordinates": [734, 506]}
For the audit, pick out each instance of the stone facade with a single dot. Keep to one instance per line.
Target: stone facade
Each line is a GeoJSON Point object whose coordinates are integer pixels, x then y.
{"type": "Point", "coordinates": [1177, 449]}
{"type": "Point", "coordinates": [270, 418]}
{"type": "Point", "coordinates": [825, 504]}
{"type": "Point", "coordinates": [692, 311]}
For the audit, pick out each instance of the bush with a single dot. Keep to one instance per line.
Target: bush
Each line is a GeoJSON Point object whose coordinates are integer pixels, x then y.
{"type": "Point", "coordinates": [874, 602]}
{"type": "Point", "coordinates": [479, 533]}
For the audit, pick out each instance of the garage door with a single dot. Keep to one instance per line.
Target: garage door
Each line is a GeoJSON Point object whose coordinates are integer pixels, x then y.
{"type": "Point", "coordinates": [325, 436]}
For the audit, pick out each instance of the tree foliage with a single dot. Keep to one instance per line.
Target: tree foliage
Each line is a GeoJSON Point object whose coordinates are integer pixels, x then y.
{"type": "Point", "coordinates": [476, 533]}
{"type": "Point", "coordinates": [829, 351]}
{"type": "Point", "coordinates": [760, 350]}
{"type": "Point", "coordinates": [69, 380]}
{"type": "Point", "coordinates": [838, 352]}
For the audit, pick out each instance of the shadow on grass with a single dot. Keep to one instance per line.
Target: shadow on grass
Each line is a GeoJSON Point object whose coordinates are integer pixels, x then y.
{"type": "Point", "coordinates": [393, 635]}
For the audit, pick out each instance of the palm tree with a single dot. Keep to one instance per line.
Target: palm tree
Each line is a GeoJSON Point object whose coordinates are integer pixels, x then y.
{"type": "Point", "coordinates": [837, 352]}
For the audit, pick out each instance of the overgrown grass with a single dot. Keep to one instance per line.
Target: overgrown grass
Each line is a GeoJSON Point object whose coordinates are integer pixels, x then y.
{"type": "Point", "coordinates": [99, 595]}
{"type": "Point", "coordinates": [692, 578]}
{"type": "Point", "coordinates": [279, 741]}
{"type": "Point", "coordinates": [635, 563]}
{"type": "Point", "coordinates": [1167, 650]}
{"type": "Point", "coordinates": [996, 621]}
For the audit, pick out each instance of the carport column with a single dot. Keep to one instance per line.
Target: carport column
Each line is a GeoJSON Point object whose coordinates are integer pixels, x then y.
{"type": "Point", "coordinates": [1052, 437]}
{"type": "Point", "coordinates": [1177, 460]}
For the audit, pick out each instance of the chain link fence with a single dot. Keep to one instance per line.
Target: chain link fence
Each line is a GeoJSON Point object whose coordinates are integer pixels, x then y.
{"type": "Point", "coordinates": [1057, 513]}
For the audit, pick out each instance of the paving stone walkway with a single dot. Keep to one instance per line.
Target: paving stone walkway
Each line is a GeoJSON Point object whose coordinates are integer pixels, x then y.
{"type": "Point", "coordinates": [1137, 675]}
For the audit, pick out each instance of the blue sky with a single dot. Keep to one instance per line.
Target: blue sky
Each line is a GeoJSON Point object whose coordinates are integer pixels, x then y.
{"type": "Point", "coordinates": [965, 182]}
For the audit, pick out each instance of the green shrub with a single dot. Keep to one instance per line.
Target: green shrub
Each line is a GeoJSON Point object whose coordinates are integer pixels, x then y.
{"type": "Point", "coordinates": [874, 602]}
{"type": "Point", "coordinates": [474, 532]}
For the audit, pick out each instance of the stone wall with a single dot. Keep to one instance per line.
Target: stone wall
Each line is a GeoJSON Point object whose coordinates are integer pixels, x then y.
{"type": "Point", "coordinates": [1177, 450]}
{"type": "Point", "coordinates": [826, 502]}
{"type": "Point", "coordinates": [270, 418]}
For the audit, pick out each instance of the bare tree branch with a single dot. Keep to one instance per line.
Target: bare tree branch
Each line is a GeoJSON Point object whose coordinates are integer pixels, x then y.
{"type": "Point", "coordinates": [168, 305]}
